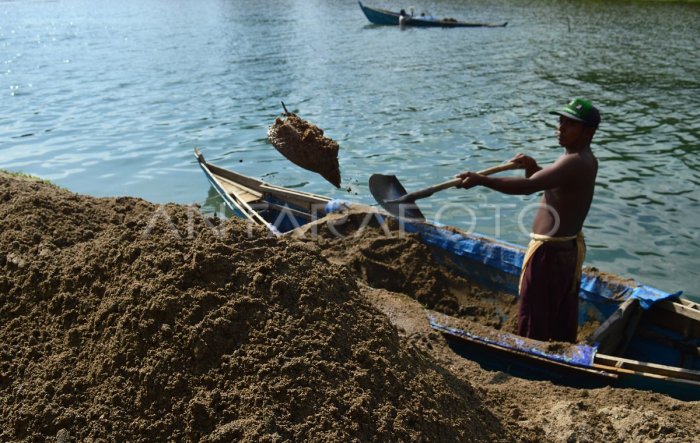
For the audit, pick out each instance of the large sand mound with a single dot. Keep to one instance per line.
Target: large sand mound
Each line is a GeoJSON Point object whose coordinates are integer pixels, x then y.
{"type": "Point", "coordinates": [121, 320]}
{"type": "Point", "coordinates": [125, 321]}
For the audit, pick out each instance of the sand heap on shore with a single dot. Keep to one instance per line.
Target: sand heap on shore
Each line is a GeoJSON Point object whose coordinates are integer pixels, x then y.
{"type": "Point", "coordinates": [121, 320]}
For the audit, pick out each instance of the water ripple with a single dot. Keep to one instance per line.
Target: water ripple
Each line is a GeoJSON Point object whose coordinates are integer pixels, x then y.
{"type": "Point", "coordinates": [111, 99]}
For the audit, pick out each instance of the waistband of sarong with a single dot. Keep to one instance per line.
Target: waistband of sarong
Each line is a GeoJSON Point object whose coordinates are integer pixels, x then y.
{"type": "Point", "coordinates": [547, 238]}
{"type": "Point", "coordinates": [538, 240]}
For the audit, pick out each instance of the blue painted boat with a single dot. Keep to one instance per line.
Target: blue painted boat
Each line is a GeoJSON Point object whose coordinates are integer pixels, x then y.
{"type": "Point", "coordinates": [647, 339]}
{"type": "Point", "coordinates": [383, 17]}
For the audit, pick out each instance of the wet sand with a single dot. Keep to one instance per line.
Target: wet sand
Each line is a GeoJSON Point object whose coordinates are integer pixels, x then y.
{"type": "Point", "coordinates": [304, 144]}
{"type": "Point", "coordinates": [121, 320]}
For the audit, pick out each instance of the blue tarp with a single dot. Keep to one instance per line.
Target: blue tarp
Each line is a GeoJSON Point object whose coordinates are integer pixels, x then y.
{"type": "Point", "coordinates": [503, 256]}
{"type": "Point", "coordinates": [336, 205]}
{"type": "Point", "coordinates": [508, 258]}
{"type": "Point", "coordinates": [647, 295]}
{"type": "Point", "coordinates": [596, 289]}
{"type": "Point", "coordinates": [579, 354]}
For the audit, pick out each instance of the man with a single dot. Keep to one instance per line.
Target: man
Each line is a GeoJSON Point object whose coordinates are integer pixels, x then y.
{"type": "Point", "coordinates": [403, 18]}
{"type": "Point", "coordinates": [551, 271]}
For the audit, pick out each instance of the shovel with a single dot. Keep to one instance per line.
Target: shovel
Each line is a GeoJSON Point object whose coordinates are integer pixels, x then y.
{"type": "Point", "coordinates": [392, 196]}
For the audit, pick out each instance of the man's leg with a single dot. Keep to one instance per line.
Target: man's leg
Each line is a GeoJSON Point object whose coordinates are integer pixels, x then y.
{"type": "Point", "coordinates": [548, 308]}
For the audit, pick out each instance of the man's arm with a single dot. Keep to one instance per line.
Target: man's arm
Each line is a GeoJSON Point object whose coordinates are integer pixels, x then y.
{"type": "Point", "coordinates": [560, 173]}
{"type": "Point", "coordinates": [527, 163]}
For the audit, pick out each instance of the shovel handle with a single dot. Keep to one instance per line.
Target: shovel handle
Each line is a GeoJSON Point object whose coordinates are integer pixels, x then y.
{"type": "Point", "coordinates": [504, 167]}
{"type": "Point", "coordinates": [286, 112]}
{"type": "Point", "coordinates": [427, 192]}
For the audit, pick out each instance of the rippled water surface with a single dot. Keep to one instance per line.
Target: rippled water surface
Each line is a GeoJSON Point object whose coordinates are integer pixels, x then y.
{"type": "Point", "coordinates": [110, 98]}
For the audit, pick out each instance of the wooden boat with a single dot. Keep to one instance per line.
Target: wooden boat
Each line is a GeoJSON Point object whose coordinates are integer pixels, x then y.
{"type": "Point", "coordinates": [383, 17]}
{"type": "Point", "coordinates": [647, 339]}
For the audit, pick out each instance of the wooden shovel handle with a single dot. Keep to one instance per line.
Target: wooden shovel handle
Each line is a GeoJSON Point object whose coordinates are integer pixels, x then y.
{"type": "Point", "coordinates": [286, 112]}
{"type": "Point", "coordinates": [504, 167]}
{"type": "Point", "coordinates": [455, 181]}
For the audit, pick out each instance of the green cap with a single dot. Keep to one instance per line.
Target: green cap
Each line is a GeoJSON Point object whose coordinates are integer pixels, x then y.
{"type": "Point", "coordinates": [581, 110]}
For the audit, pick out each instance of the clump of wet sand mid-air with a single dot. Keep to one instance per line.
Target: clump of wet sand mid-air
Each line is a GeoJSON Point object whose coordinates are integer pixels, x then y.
{"type": "Point", "coordinates": [305, 145]}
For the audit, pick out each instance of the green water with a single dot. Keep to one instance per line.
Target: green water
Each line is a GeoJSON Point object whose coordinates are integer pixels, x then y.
{"type": "Point", "coordinates": [110, 98]}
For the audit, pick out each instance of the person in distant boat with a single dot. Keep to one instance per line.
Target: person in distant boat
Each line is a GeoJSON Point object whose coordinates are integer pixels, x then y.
{"type": "Point", "coordinates": [404, 18]}
{"type": "Point", "coordinates": [551, 272]}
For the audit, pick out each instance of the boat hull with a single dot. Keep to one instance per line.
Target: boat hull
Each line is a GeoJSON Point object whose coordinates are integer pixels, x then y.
{"type": "Point", "coordinates": [647, 339]}
{"type": "Point", "coordinates": [383, 17]}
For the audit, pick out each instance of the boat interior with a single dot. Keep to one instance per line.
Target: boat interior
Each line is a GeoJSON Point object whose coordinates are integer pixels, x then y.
{"type": "Point", "coordinates": [668, 335]}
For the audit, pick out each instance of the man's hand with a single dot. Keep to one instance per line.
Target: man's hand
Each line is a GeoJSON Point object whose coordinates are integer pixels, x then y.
{"type": "Point", "coordinates": [527, 163]}
{"type": "Point", "coordinates": [469, 179]}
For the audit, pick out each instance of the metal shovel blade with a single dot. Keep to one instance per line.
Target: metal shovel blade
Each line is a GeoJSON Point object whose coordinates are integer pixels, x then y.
{"type": "Point", "coordinates": [386, 189]}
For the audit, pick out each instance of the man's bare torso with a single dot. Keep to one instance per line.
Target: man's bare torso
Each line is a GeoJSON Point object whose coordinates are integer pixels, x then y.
{"type": "Point", "coordinates": [563, 209]}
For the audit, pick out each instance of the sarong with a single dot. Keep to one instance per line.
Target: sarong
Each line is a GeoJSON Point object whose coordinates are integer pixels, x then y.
{"type": "Point", "coordinates": [549, 284]}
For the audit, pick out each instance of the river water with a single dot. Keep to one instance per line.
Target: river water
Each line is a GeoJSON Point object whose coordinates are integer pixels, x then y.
{"type": "Point", "coordinates": [110, 98]}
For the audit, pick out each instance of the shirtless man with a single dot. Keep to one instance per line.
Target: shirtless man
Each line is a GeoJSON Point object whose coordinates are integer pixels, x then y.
{"type": "Point", "coordinates": [404, 18]}
{"type": "Point", "coordinates": [551, 271]}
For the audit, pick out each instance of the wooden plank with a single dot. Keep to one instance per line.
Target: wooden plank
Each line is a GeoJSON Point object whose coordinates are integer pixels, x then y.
{"type": "Point", "coordinates": [242, 205]}
{"type": "Point", "coordinates": [285, 209]}
{"type": "Point", "coordinates": [624, 371]}
{"type": "Point", "coordinates": [681, 309]}
{"type": "Point", "coordinates": [235, 177]}
{"type": "Point", "coordinates": [258, 187]}
{"type": "Point", "coordinates": [288, 194]}
{"type": "Point", "coordinates": [242, 192]}
{"type": "Point", "coordinates": [649, 368]}
{"type": "Point", "coordinates": [631, 330]}
{"type": "Point", "coordinates": [675, 317]}
{"type": "Point", "coordinates": [615, 333]}
{"type": "Point", "coordinates": [688, 303]}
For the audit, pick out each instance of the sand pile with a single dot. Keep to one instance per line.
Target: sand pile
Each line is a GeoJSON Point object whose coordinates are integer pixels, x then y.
{"type": "Point", "coordinates": [211, 331]}
{"type": "Point", "coordinates": [304, 144]}
{"type": "Point", "coordinates": [125, 321]}
{"type": "Point", "coordinates": [535, 411]}
{"type": "Point", "coordinates": [384, 257]}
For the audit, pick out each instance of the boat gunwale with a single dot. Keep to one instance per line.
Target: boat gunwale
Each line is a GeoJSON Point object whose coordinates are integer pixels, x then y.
{"type": "Point", "coordinates": [237, 204]}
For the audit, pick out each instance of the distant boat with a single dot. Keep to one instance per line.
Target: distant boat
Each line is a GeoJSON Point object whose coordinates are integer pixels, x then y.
{"type": "Point", "coordinates": [384, 17]}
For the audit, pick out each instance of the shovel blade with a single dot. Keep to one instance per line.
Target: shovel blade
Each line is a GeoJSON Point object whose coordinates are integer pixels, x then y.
{"type": "Point", "coordinates": [386, 189]}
